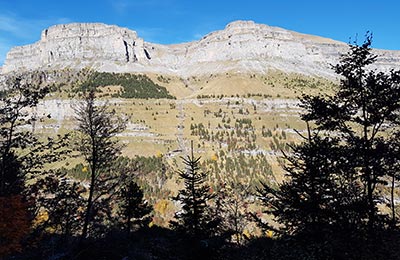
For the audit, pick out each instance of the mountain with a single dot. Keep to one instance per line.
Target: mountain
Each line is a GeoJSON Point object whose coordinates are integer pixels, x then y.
{"type": "Point", "coordinates": [242, 47]}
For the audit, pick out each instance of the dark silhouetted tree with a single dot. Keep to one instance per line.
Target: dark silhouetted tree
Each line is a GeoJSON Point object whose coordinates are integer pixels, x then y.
{"type": "Point", "coordinates": [392, 162]}
{"type": "Point", "coordinates": [133, 207]}
{"type": "Point", "coordinates": [97, 127]}
{"type": "Point", "coordinates": [23, 155]}
{"type": "Point", "coordinates": [330, 198]}
{"type": "Point", "coordinates": [365, 105]}
{"type": "Point", "coordinates": [15, 102]}
{"type": "Point", "coordinates": [63, 201]}
{"type": "Point", "coordinates": [233, 200]}
{"type": "Point", "coordinates": [194, 218]}
{"type": "Point", "coordinates": [321, 194]}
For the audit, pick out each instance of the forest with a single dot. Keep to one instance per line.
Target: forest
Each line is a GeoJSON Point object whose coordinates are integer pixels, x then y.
{"type": "Point", "coordinates": [133, 86]}
{"type": "Point", "coordinates": [339, 198]}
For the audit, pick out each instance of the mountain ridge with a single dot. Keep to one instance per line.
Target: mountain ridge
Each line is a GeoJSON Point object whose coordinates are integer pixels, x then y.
{"type": "Point", "coordinates": [241, 47]}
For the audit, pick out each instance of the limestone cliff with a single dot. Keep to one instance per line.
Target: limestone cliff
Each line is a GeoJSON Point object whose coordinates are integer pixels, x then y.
{"type": "Point", "coordinates": [242, 47]}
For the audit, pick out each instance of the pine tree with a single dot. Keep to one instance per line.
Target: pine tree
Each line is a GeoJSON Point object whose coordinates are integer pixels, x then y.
{"type": "Point", "coordinates": [330, 198]}
{"type": "Point", "coordinates": [193, 219]}
{"type": "Point", "coordinates": [362, 111]}
{"type": "Point", "coordinates": [134, 209]}
{"type": "Point", "coordinates": [320, 195]}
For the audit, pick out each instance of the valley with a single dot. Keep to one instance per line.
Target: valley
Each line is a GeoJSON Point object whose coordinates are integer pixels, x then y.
{"type": "Point", "coordinates": [235, 119]}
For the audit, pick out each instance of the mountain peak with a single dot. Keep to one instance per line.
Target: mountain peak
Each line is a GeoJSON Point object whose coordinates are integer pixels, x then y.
{"type": "Point", "coordinates": [83, 30]}
{"type": "Point", "coordinates": [242, 47]}
{"type": "Point", "coordinates": [241, 24]}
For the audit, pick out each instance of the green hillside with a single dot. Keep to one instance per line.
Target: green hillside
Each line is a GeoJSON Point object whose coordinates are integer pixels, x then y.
{"type": "Point", "coordinates": [133, 86]}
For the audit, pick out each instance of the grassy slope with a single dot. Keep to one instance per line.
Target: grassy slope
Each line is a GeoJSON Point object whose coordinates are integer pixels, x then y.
{"type": "Point", "coordinates": [163, 126]}
{"type": "Point", "coordinates": [273, 84]}
{"type": "Point", "coordinates": [162, 118]}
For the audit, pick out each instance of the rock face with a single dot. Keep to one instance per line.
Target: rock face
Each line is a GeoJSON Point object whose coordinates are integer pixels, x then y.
{"type": "Point", "coordinates": [72, 44]}
{"type": "Point", "coordinates": [242, 47]}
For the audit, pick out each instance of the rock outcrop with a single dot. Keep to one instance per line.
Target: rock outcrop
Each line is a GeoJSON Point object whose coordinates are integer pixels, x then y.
{"type": "Point", "coordinates": [77, 45]}
{"type": "Point", "coordinates": [242, 47]}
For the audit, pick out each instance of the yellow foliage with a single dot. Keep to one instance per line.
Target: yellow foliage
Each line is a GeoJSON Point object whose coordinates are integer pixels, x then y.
{"type": "Point", "coordinates": [246, 233]}
{"type": "Point", "coordinates": [151, 224]}
{"type": "Point", "coordinates": [84, 169]}
{"type": "Point", "coordinates": [159, 154]}
{"type": "Point", "coordinates": [214, 157]}
{"type": "Point", "coordinates": [51, 229]}
{"type": "Point", "coordinates": [270, 234]}
{"type": "Point", "coordinates": [161, 206]}
{"type": "Point", "coordinates": [42, 217]}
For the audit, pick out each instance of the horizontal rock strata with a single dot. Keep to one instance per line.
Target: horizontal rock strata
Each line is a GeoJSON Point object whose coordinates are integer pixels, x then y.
{"type": "Point", "coordinates": [242, 47]}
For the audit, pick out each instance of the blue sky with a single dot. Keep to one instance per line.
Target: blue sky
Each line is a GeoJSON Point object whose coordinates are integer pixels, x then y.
{"type": "Point", "coordinates": [174, 21]}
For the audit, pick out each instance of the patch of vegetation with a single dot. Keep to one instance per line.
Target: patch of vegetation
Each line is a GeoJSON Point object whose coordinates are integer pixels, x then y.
{"type": "Point", "coordinates": [3, 93]}
{"type": "Point", "coordinates": [163, 79]}
{"type": "Point", "coordinates": [134, 86]}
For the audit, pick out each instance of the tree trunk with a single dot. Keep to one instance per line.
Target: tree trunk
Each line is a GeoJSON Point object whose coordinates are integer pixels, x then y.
{"type": "Point", "coordinates": [89, 204]}
{"type": "Point", "coordinates": [392, 201]}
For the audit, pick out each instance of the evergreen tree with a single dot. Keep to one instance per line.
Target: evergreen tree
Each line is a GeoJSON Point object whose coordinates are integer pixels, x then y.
{"type": "Point", "coordinates": [365, 106]}
{"type": "Point", "coordinates": [321, 194]}
{"type": "Point", "coordinates": [330, 198]}
{"type": "Point", "coordinates": [193, 219]}
{"type": "Point", "coordinates": [134, 209]}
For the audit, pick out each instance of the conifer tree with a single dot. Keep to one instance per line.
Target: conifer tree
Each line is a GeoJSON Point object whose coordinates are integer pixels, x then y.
{"type": "Point", "coordinates": [133, 207]}
{"type": "Point", "coordinates": [320, 195]}
{"type": "Point", "coordinates": [193, 219]}
{"type": "Point", "coordinates": [331, 194]}
{"type": "Point", "coordinates": [363, 112]}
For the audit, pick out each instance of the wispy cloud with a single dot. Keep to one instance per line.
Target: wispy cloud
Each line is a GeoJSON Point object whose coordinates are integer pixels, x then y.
{"type": "Point", "coordinates": [22, 27]}
{"type": "Point", "coordinates": [120, 6]}
{"type": "Point", "coordinates": [5, 46]}
{"type": "Point", "coordinates": [124, 6]}
{"type": "Point", "coordinates": [16, 30]}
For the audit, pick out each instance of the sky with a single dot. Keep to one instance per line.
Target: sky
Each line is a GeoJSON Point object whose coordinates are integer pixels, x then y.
{"type": "Point", "coordinates": [176, 21]}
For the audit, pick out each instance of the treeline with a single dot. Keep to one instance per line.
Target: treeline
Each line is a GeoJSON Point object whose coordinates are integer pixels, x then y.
{"type": "Point", "coordinates": [133, 85]}
{"type": "Point", "coordinates": [334, 203]}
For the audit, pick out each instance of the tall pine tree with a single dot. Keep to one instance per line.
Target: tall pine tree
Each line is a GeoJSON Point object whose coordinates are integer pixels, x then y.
{"type": "Point", "coordinates": [363, 112]}
{"type": "Point", "coordinates": [331, 192]}
{"type": "Point", "coordinates": [193, 219]}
